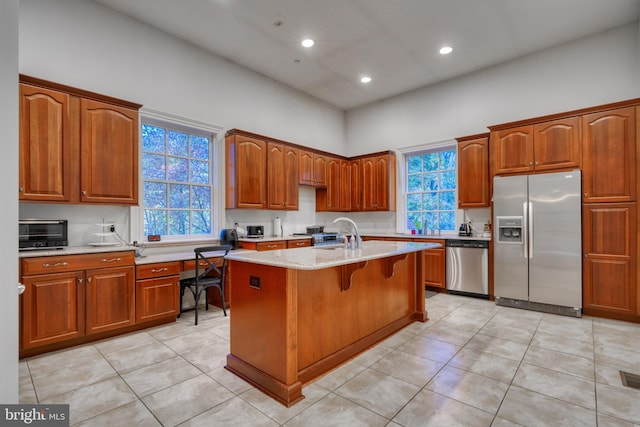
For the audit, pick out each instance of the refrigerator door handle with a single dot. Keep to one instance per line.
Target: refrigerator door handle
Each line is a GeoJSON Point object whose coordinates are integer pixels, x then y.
{"type": "Point", "coordinates": [525, 230]}
{"type": "Point", "coordinates": [530, 230]}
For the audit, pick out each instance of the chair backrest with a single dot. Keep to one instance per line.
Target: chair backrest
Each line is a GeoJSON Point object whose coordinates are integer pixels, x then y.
{"type": "Point", "coordinates": [217, 266]}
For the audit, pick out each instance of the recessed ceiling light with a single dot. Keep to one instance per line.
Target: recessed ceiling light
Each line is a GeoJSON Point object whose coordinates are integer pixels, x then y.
{"type": "Point", "coordinates": [445, 50]}
{"type": "Point", "coordinates": [365, 79]}
{"type": "Point", "coordinates": [307, 43]}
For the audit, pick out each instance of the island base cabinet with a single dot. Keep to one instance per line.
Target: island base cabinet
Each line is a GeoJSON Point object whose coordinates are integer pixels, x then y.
{"type": "Point", "coordinates": [290, 326]}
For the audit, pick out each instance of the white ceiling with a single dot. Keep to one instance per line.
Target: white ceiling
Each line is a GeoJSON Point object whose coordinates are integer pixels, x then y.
{"type": "Point", "coordinates": [396, 42]}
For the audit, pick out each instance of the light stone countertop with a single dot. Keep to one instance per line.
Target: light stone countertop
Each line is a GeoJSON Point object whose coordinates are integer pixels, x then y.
{"type": "Point", "coordinates": [319, 257]}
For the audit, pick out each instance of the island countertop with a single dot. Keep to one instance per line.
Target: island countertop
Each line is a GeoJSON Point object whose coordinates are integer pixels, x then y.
{"type": "Point", "coordinates": [319, 257]}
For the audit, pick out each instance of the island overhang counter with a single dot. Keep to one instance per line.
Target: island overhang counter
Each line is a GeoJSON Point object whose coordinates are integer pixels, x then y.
{"type": "Point", "coordinates": [299, 313]}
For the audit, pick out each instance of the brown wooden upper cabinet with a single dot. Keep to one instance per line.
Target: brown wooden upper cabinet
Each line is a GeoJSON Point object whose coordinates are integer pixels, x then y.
{"type": "Point", "coordinates": [282, 176]}
{"type": "Point", "coordinates": [108, 153]}
{"type": "Point", "coordinates": [473, 171]}
{"type": "Point", "coordinates": [260, 173]}
{"type": "Point", "coordinates": [609, 156]}
{"type": "Point", "coordinates": [379, 183]}
{"type": "Point", "coordinates": [550, 145]}
{"type": "Point", "coordinates": [313, 169]}
{"type": "Point", "coordinates": [76, 146]}
{"type": "Point", "coordinates": [246, 172]}
{"type": "Point", "coordinates": [356, 185]}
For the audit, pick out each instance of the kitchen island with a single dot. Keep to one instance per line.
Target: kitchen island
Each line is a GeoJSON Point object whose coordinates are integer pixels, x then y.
{"type": "Point", "coordinates": [298, 313]}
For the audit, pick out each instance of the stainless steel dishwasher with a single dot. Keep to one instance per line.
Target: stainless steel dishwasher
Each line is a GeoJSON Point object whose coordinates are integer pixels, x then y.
{"type": "Point", "coordinates": [467, 267]}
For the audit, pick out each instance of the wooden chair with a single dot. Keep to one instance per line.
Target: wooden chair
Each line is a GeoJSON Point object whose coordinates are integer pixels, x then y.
{"type": "Point", "coordinates": [209, 274]}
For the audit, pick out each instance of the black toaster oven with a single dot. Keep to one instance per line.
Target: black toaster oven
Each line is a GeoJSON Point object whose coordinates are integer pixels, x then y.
{"type": "Point", "coordinates": [42, 234]}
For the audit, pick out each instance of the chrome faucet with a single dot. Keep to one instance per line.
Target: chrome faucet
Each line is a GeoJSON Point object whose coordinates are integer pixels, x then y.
{"type": "Point", "coordinates": [358, 243]}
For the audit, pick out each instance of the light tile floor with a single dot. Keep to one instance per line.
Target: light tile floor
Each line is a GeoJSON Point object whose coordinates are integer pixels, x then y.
{"type": "Point", "coordinates": [472, 364]}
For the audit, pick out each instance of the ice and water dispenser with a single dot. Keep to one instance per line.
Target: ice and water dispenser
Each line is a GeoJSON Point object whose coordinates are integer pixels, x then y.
{"type": "Point", "coordinates": [509, 229]}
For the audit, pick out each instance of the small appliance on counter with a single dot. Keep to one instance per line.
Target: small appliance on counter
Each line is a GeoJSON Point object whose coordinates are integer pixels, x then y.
{"type": "Point", "coordinates": [42, 234]}
{"type": "Point", "coordinates": [255, 231]}
{"type": "Point", "coordinates": [315, 229]}
{"type": "Point", "coordinates": [465, 229]}
{"type": "Point", "coordinates": [324, 239]}
{"type": "Point", "coordinates": [229, 236]}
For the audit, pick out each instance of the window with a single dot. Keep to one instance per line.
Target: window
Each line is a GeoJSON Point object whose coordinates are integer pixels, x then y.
{"type": "Point", "coordinates": [431, 190]}
{"type": "Point", "coordinates": [177, 180]}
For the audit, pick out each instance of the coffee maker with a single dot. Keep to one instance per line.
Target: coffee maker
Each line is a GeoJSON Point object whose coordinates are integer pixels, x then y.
{"type": "Point", "coordinates": [465, 229]}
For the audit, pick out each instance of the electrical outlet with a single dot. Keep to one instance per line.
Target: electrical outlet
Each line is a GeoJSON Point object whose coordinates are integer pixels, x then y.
{"type": "Point", "coordinates": [254, 282]}
{"type": "Point", "coordinates": [113, 228]}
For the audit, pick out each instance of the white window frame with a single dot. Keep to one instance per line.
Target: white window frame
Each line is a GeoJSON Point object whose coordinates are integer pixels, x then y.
{"type": "Point", "coordinates": [153, 117]}
{"type": "Point", "coordinates": [401, 197]}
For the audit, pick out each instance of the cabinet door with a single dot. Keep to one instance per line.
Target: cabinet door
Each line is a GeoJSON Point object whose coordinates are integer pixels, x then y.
{"type": "Point", "coordinates": [512, 150]}
{"type": "Point", "coordinates": [356, 185]}
{"type": "Point", "coordinates": [52, 308]}
{"type": "Point", "coordinates": [557, 144]}
{"type": "Point", "coordinates": [434, 267]}
{"type": "Point", "coordinates": [609, 267]}
{"type": "Point", "coordinates": [282, 176]}
{"type": "Point", "coordinates": [246, 173]}
{"type": "Point", "coordinates": [157, 298]}
{"type": "Point", "coordinates": [609, 156]}
{"type": "Point", "coordinates": [44, 145]}
{"type": "Point", "coordinates": [473, 173]}
{"type": "Point", "coordinates": [319, 170]}
{"type": "Point", "coordinates": [333, 184]}
{"type": "Point", "coordinates": [108, 153]}
{"type": "Point", "coordinates": [382, 168]}
{"type": "Point", "coordinates": [346, 185]}
{"type": "Point", "coordinates": [110, 300]}
{"type": "Point", "coordinates": [369, 194]}
{"type": "Point", "coordinates": [306, 168]}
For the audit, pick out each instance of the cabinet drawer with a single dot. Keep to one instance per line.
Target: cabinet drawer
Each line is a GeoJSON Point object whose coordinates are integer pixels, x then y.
{"type": "Point", "coordinates": [159, 269]}
{"type": "Point", "coordinates": [62, 263]}
{"type": "Point", "coordinates": [298, 243]}
{"type": "Point", "coordinates": [191, 264]}
{"type": "Point", "coordinates": [270, 246]}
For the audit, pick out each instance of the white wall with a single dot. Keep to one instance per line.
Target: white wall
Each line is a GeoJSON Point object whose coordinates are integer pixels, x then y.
{"type": "Point", "coordinates": [595, 70]}
{"type": "Point", "coordinates": [9, 212]}
{"type": "Point", "coordinates": [86, 45]}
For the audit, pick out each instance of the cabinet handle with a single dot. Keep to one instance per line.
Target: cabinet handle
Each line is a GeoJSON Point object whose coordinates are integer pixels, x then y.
{"type": "Point", "coordinates": [111, 260]}
{"type": "Point", "coordinates": [57, 264]}
{"type": "Point", "coordinates": [530, 163]}
{"type": "Point", "coordinates": [84, 192]}
{"type": "Point", "coordinates": [21, 189]}
{"type": "Point", "coordinates": [89, 279]}
{"type": "Point", "coordinates": [158, 270]}
{"type": "Point", "coordinates": [80, 280]}
{"type": "Point", "coordinates": [272, 246]}
{"type": "Point", "coordinates": [300, 244]}
{"type": "Point", "coordinates": [537, 163]}
{"type": "Point", "coordinates": [585, 194]}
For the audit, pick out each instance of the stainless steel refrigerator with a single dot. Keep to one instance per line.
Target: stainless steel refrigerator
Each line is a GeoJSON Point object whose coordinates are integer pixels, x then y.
{"type": "Point", "coordinates": [538, 242]}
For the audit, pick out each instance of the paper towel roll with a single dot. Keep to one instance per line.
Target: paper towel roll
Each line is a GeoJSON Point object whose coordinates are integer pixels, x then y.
{"type": "Point", "coordinates": [277, 227]}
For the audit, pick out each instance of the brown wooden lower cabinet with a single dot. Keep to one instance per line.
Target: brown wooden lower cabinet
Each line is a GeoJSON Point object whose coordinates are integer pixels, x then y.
{"type": "Point", "coordinates": [434, 266]}
{"type": "Point", "coordinates": [70, 297]}
{"type": "Point", "coordinates": [158, 290]}
{"type": "Point", "coordinates": [110, 299]}
{"type": "Point", "coordinates": [610, 288]}
{"type": "Point", "coordinates": [52, 308]}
